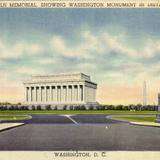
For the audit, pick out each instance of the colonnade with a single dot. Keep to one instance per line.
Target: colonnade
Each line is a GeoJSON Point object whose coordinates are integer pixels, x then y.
{"type": "Point", "coordinates": [57, 94]}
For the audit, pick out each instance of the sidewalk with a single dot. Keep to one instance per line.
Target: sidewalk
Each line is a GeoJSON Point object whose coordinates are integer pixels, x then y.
{"type": "Point", "coordinates": [152, 124]}
{"type": "Point", "coordinates": [5, 126]}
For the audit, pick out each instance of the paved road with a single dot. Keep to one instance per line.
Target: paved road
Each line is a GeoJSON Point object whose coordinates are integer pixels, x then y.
{"type": "Point", "coordinates": [93, 132]}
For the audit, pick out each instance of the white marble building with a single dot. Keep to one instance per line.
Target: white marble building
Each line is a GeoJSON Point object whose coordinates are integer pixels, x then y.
{"type": "Point", "coordinates": [60, 89]}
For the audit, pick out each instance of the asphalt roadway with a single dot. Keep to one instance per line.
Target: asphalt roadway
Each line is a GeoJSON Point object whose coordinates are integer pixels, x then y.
{"type": "Point", "coordinates": [87, 132]}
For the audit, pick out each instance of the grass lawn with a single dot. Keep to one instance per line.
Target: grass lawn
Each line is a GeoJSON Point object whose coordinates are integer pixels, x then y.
{"type": "Point", "coordinates": [137, 118]}
{"type": "Point", "coordinates": [12, 112]}
{"type": "Point", "coordinates": [11, 116]}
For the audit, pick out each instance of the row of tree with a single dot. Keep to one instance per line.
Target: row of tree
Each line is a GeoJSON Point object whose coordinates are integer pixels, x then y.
{"type": "Point", "coordinates": [132, 107]}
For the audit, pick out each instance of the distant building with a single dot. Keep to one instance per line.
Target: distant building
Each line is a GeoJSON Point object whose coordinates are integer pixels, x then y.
{"type": "Point", "coordinates": [60, 89]}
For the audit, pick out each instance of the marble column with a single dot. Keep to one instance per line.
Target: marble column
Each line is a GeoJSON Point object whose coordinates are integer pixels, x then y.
{"type": "Point", "coordinates": [57, 94]}
{"type": "Point", "coordinates": [84, 93]}
{"type": "Point", "coordinates": [26, 94]}
{"type": "Point", "coordinates": [53, 94]}
{"type": "Point", "coordinates": [81, 93]}
{"type": "Point", "coordinates": [36, 94]}
{"type": "Point", "coordinates": [67, 92]}
{"type": "Point", "coordinates": [31, 94]}
{"type": "Point", "coordinates": [40, 93]}
{"type": "Point", "coordinates": [50, 92]}
{"type": "Point", "coordinates": [72, 95]}
{"type": "Point", "coordinates": [43, 94]}
{"type": "Point", "coordinates": [78, 99]}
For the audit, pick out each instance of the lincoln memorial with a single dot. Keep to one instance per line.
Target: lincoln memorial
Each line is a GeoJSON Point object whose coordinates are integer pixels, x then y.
{"type": "Point", "coordinates": [60, 89]}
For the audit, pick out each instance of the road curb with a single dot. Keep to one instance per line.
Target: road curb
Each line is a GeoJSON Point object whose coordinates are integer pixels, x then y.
{"type": "Point", "coordinates": [11, 127]}
{"type": "Point", "coordinates": [10, 120]}
{"type": "Point", "coordinates": [145, 124]}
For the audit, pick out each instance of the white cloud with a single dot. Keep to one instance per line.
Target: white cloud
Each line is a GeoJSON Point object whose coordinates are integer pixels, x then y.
{"type": "Point", "coordinates": [84, 48]}
{"type": "Point", "coordinates": [115, 43]}
{"type": "Point", "coordinates": [46, 61]}
{"type": "Point", "coordinates": [93, 44]}
{"type": "Point", "coordinates": [86, 66]}
{"type": "Point", "coordinates": [18, 49]}
{"type": "Point", "coordinates": [29, 70]}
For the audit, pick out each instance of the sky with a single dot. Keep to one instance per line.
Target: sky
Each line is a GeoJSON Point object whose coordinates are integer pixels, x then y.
{"type": "Point", "coordinates": [118, 48]}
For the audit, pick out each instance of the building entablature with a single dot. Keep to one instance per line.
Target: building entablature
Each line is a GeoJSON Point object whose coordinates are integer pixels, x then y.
{"type": "Point", "coordinates": [60, 77]}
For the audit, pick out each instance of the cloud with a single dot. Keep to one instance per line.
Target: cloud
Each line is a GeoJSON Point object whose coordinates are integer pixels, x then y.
{"type": "Point", "coordinates": [85, 66]}
{"type": "Point", "coordinates": [30, 70]}
{"type": "Point", "coordinates": [18, 49]}
{"type": "Point", "coordinates": [83, 49]}
{"type": "Point", "coordinates": [46, 61]}
{"type": "Point", "coordinates": [102, 42]}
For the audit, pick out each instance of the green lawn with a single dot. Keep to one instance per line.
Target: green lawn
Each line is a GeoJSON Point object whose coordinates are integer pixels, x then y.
{"type": "Point", "coordinates": [75, 112]}
{"type": "Point", "coordinates": [11, 116]}
{"type": "Point", "coordinates": [136, 118]}
{"type": "Point", "coordinates": [15, 114]}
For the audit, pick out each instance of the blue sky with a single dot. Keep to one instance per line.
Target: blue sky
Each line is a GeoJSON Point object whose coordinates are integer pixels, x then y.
{"type": "Point", "coordinates": [119, 48]}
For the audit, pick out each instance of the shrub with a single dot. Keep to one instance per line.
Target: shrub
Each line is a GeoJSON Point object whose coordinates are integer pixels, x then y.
{"type": "Point", "coordinates": [11, 107]}
{"type": "Point", "coordinates": [21, 107]}
{"type": "Point", "coordinates": [90, 108]}
{"type": "Point", "coordinates": [76, 108]}
{"type": "Point", "coordinates": [64, 107]}
{"type": "Point", "coordinates": [48, 107]}
{"type": "Point", "coordinates": [16, 107]}
{"type": "Point", "coordinates": [5, 107]}
{"type": "Point", "coordinates": [55, 108]}
{"type": "Point", "coordinates": [125, 108]}
{"type": "Point", "coordinates": [100, 107]}
{"type": "Point", "coordinates": [39, 107]}
{"type": "Point", "coordinates": [26, 107]}
{"type": "Point", "coordinates": [33, 107]}
{"type": "Point", "coordinates": [2, 107]}
{"type": "Point", "coordinates": [82, 107]}
{"type": "Point", "coordinates": [71, 107]}
{"type": "Point", "coordinates": [110, 107]}
{"type": "Point", "coordinates": [119, 107]}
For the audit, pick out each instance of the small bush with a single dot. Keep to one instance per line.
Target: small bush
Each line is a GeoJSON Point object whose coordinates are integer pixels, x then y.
{"type": "Point", "coordinates": [39, 107]}
{"type": "Point", "coordinates": [48, 107]}
{"type": "Point", "coordinates": [26, 107]}
{"type": "Point", "coordinates": [2, 108]}
{"type": "Point", "coordinates": [100, 107]}
{"type": "Point", "coordinates": [90, 108]}
{"type": "Point", "coordinates": [11, 107]}
{"type": "Point", "coordinates": [64, 107]}
{"type": "Point", "coordinates": [55, 108]}
{"type": "Point", "coordinates": [71, 107]}
{"type": "Point", "coordinates": [23, 108]}
{"type": "Point", "coordinates": [33, 107]}
{"type": "Point", "coordinates": [82, 107]}
{"type": "Point", "coordinates": [76, 107]}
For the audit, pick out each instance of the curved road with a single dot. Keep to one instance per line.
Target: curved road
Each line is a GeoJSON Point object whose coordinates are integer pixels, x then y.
{"type": "Point", "coordinates": [47, 132]}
